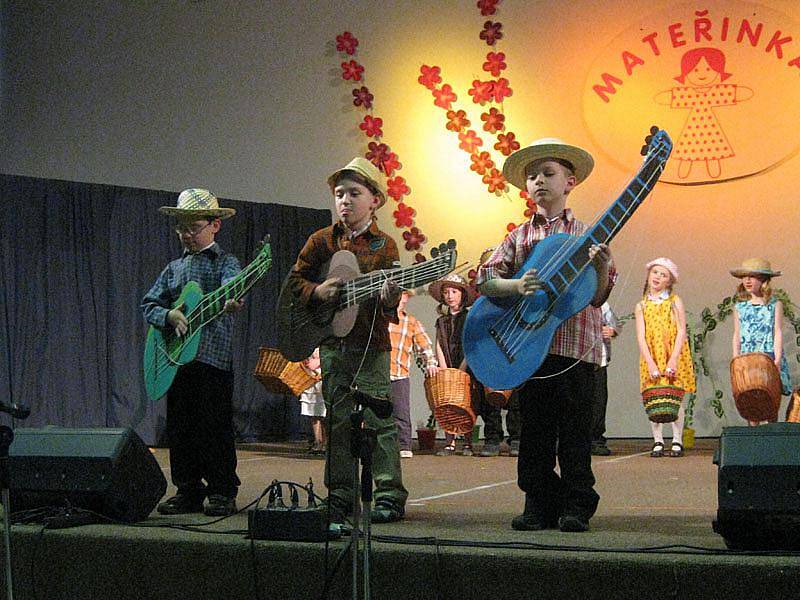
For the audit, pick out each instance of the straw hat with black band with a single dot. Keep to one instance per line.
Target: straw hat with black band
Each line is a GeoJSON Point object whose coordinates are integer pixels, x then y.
{"type": "Point", "coordinates": [578, 160]}
{"type": "Point", "coordinates": [197, 203]}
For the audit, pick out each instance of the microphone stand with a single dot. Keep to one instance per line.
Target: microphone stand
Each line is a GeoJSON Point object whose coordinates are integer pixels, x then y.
{"type": "Point", "coordinates": [6, 437]}
{"type": "Point", "coordinates": [362, 445]}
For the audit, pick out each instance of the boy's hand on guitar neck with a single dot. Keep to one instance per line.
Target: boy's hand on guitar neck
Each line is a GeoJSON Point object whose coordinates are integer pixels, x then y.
{"type": "Point", "coordinates": [328, 290]}
{"type": "Point", "coordinates": [178, 320]}
{"type": "Point", "coordinates": [390, 293]}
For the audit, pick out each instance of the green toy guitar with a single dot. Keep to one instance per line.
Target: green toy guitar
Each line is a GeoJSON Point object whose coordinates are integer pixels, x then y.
{"type": "Point", "coordinates": [164, 351]}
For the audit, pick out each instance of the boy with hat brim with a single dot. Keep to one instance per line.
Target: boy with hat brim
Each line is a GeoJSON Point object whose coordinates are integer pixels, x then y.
{"type": "Point", "coordinates": [758, 318]}
{"type": "Point", "coordinates": [360, 359]}
{"type": "Point", "coordinates": [556, 403]}
{"type": "Point", "coordinates": [200, 401]}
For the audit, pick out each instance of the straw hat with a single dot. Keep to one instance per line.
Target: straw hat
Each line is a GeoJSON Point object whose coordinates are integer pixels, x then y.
{"type": "Point", "coordinates": [516, 164]}
{"type": "Point", "coordinates": [663, 261]}
{"type": "Point", "coordinates": [455, 280]}
{"type": "Point", "coordinates": [197, 203]}
{"type": "Point", "coordinates": [367, 170]}
{"type": "Point", "coordinates": [755, 266]}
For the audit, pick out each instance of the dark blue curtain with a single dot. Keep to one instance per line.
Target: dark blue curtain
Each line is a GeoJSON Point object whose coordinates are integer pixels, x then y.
{"type": "Point", "coordinates": [75, 261]}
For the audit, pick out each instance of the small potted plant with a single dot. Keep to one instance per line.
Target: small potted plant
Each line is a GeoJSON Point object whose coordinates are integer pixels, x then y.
{"type": "Point", "coordinates": [426, 434]}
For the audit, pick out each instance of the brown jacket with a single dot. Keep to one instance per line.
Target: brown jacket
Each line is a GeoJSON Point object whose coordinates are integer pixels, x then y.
{"type": "Point", "coordinates": [374, 250]}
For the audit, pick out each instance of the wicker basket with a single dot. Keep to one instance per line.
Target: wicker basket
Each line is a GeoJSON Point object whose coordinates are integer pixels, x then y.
{"type": "Point", "coordinates": [497, 398]}
{"type": "Point", "coordinates": [281, 376]}
{"type": "Point", "coordinates": [662, 403]}
{"type": "Point", "coordinates": [756, 386]}
{"type": "Point", "coordinates": [448, 394]}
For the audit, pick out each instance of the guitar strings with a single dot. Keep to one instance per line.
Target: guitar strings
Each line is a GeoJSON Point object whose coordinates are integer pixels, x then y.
{"type": "Point", "coordinates": [512, 316]}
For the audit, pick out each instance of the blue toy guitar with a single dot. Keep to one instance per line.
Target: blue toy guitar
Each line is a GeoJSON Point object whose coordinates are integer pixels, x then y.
{"type": "Point", "coordinates": [164, 351]}
{"type": "Point", "coordinates": [507, 339]}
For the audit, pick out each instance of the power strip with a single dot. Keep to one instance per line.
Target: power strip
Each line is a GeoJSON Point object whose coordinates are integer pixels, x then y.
{"type": "Point", "coordinates": [289, 524]}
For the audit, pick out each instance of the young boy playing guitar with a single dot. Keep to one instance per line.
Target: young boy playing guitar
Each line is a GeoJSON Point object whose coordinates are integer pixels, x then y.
{"type": "Point", "coordinates": [556, 403]}
{"type": "Point", "coordinates": [360, 359]}
{"type": "Point", "coordinates": [199, 401]}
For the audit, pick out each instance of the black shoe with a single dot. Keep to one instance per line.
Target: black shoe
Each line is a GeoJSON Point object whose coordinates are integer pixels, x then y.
{"type": "Point", "coordinates": [601, 450]}
{"type": "Point", "coordinates": [181, 504]}
{"type": "Point", "coordinates": [339, 511]}
{"type": "Point", "coordinates": [533, 522]}
{"type": "Point", "coordinates": [386, 511]}
{"type": "Point", "coordinates": [573, 524]}
{"type": "Point", "coordinates": [218, 505]}
{"type": "Point", "coordinates": [490, 450]}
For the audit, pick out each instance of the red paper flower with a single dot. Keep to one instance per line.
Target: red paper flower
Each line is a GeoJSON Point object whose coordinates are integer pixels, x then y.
{"type": "Point", "coordinates": [501, 89]}
{"type": "Point", "coordinates": [430, 76]}
{"type": "Point", "coordinates": [469, 140]}
{"type": "Point", "coordinates": [488, 7]}
{"type": "Point", "coordinates": [414, 238]}
{"type": "Point", "coordinates": [495, 181]}
{"type": "Point", "coordinates": [506, 143]}
{"type": "Point", "coordinates": [530, 204]}
{"type": "Point", "coordinates": [457, 120]}
{"type": "Point", "coordinates": [481, 162]}
{"type": "Point", "coordinates": [403, 216]}
{"type": "Point", "coordinates": [511, 227]}
{"type": "Point", "coordinates": [346, 43]}
{"type": "Point", "coordinates": [481, 91]}
{"type": "Point", "coordinates": [493, 121]}
{"type": "Point", "coordinates": [377, 153]}
{"type": "Point", "coordinates": [362, 97]}
{"type": "Point", "coordinates": [495, 63]}
{"type": "Point", "coordinates": [444, 96]}
{"type": "Point", "coordinates": [397, 188]}
{"type": "Point", "coordinates": [390, 164]}
{"type": "Point", "coordinates": [352, 70]}
{"type": "Point", "coordinates": [491, 32]}
{"type": "Point", "coordinates": [372, 126]}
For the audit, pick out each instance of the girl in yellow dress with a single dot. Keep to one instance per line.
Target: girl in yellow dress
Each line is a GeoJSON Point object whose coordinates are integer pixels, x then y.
{"type": "Point", "coordinates": [665, 364]}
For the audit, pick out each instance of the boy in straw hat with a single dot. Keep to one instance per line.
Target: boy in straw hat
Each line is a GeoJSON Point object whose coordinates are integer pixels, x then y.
{"type": "Point", "coordinates": [361, 358]}
{"type": "Point", "coordinates": [199, 402]}
{"type": "Point", "coordinates": [556, 404]}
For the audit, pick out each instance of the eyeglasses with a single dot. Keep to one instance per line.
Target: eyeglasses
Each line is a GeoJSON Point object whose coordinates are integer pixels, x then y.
{"type": "Point", "coordinates": [192, 229]}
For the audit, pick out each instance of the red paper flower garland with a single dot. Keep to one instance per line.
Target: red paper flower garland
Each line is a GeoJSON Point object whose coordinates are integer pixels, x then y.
{"type": "Point", "coordinates": [379, 153]}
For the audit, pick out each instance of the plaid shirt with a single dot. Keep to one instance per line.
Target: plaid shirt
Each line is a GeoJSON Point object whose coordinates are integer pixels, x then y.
{"type": "Point", "coordinates": [580, 336]}
{"type": "Point", "coordinates": [210, 268]}
{"type": "Point", "coordinates": [374, 250]}
{"type": "Point", "coordinates": [409, 338]}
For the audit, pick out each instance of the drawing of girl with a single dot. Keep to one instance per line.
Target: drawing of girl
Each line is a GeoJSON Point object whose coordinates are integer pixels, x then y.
{"type": "Point", "coordinates": [702, 137]}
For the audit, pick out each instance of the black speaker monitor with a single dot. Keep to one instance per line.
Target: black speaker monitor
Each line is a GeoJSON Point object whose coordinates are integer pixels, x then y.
{"type": "Point", "coordinates": [758, 486]}
{"type": "Point", "coordinates": [108, 471]}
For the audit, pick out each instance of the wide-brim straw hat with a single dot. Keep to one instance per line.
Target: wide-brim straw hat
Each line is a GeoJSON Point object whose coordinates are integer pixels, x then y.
{"type": "Point", "coordinates": [755, 266]}
{"type": "Point", "coordinates": [436, 289]}
{"type": "Point", "coordinates": [367, 170]}
{"type": "Point", "coordinates": [663, 261]}
{"type": "Point", "coordinates": [197, 203]}
{"type": "Point", "coordinates": [554, 148]}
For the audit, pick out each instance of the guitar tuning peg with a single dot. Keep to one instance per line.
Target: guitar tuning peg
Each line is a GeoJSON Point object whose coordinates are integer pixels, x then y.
{"type": "Point", "coordinates": [434, 252]}
{"type": "Point", "coordinates": [654, 130]}
{"type": "Point", "coordinates": [643, 151]}
{"type": "Point", "coordinates": [451, 244]}
{"type": "Point", "coordinates": [442, 248]}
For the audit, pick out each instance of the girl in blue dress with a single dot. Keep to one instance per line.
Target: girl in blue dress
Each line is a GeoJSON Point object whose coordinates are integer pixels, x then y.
{"type": "Point", "coordinates": [758, 317]}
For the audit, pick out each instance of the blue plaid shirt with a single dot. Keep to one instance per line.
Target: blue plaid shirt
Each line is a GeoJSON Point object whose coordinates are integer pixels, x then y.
{"type": "Point", "coordinates": [210, 268]}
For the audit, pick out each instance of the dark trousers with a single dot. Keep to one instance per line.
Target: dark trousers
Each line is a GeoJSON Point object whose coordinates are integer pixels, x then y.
{"type": "Point", "coordinates": [600, 404]}
{"type": "Point", "coordinates": [556, 423]}
{"type": "Point", "coordinates": [200, 431]}
{"type": "Point", "coordinates": [513, 418]}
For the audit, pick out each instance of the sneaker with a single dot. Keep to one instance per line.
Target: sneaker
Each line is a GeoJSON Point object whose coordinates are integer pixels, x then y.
{"type": "Point", "coordinates": [386, 511]}
{"type": "Point", "coordinates": [573, 524]}
{"type": "Point", "coordinates": [467, 451]}
{"type": "Point", "coordinates": [514, 448]}
{"type": "Point", "coordinates": [181, 504]}
{"type": "Point", "coordinates": [533, 522]}
{"type": "Point", "coordinates": [601, 450]}
{"type": "Point", "coordinates": [339, 510]}
{"type": "Point", "coordinates": [406, 454]}
{"type": "Point", "coordinates": [490, 450]}
{"type": "Point", "coordinates": [448, 450]}
{"type": "Point", "coordinates": [218, 505]}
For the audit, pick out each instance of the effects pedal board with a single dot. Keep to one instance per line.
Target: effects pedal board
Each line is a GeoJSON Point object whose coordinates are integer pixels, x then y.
{"type": "Point", "coordinates": [277, 521]}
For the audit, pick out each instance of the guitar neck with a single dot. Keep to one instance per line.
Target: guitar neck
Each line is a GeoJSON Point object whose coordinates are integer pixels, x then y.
{"type": "Point", "coordinates": [213, 303]}
{"type": "Point", "coordinates": [369, 285]}
{"type": "Point", "coordinates": [608, 225]}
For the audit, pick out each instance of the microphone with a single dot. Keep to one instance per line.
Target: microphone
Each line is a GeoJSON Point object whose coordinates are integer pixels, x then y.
{"type": "Point", "coordinates": [382, 408]}
{"type": "Point", "coordinates": [17, 411]}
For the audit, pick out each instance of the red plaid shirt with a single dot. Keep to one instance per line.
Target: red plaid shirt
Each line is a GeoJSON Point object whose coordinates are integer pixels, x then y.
{"type": "Point", "coordinates": [409, 339]}
{"type": "Point", "coordinates": [581, 335]}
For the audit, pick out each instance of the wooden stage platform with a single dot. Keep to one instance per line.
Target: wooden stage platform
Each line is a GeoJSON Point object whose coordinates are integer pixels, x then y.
{"type": "Point", "coordinates": [651, 537]}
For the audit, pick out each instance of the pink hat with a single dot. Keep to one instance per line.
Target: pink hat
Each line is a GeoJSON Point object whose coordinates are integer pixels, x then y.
{"type": "Point", "coordinates": [663, 261]}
